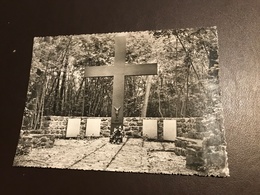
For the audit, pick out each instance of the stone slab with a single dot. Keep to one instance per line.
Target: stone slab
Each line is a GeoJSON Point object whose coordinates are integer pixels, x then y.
{"type": "Point", "coordinates": [73, 127]}
{"type": "Point", "coordinates": [169, 130]}
{"type": "Point", "coordinates": [93, 127]}
{"type": "Point", "coordinates": [150, 128]}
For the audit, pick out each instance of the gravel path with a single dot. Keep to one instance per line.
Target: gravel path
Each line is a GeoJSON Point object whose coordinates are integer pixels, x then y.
{"type": "Point", "coordinates": [133, 155]}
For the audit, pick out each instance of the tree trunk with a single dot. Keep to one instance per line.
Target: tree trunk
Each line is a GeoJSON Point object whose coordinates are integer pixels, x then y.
{"type": "Point", "coordinates": [56, 96]}
{"type": "Point", "coordinates": [159, 94]}
{"type": "Point", "coordinates": [62, 89]}
{"type": "Point", "coordinates": [79, 90]}
{"type": "Point", "coordinates": [49, 94]}
{"type": "Point", "coordinates": [187, 91]}
{"type": "Point", "coordinates": [45, 84]}
{"type": "Point", "coordinates": [83, 97]}
{"type": "Point", "coordinates": [38, 111]}
{"type": "Point", "coordinates": [147, 93]}
{"type": "Point", "coordinates": [35, 118]}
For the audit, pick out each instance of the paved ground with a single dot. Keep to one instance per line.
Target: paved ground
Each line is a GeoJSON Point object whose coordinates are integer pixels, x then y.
{"type": "Point", "coordinates": [133, 155]}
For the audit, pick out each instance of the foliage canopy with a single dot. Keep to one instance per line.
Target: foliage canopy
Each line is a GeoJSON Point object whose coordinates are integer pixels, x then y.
{"type": "Point", "coordinates": [187, 60]}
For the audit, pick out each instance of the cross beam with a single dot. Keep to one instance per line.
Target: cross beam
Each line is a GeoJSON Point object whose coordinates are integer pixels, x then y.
{"type": "Point", "coordinates": [119, 70]}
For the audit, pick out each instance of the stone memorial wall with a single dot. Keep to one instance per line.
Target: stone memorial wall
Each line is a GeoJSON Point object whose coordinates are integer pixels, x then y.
{"type": "Point", "coordinates": [209, 154]}
{"type": "Point", "coordinates": [29, 141]}
{"type": "Point", "coordinates": [133, 126]}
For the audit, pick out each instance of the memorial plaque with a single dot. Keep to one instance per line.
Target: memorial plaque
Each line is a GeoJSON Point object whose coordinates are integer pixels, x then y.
{"type": "Point", "coordinates": [150, 129]}
{"type": "Point", "coordinates": [93, 127]}
{"type": "Point", "coordinates": [73, 127]}
{"type": "Point", "coordinates": [169, 130]}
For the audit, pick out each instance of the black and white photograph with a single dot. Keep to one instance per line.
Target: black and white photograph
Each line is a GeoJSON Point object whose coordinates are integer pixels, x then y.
{"type": "Point", "coordinates": [140, 102]}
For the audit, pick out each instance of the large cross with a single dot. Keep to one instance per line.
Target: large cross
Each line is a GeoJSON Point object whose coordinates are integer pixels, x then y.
{"type": "Point", "coordinates": [119, 71]}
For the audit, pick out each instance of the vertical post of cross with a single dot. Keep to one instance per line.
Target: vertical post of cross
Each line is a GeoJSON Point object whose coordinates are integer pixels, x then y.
{"type": "Point", "coordinates": [118, 83]}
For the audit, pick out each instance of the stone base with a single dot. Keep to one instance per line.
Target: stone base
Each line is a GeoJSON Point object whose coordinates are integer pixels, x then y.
{"type": "Point", "coordinates": [192, 149]}
{"type": "Point", "coordinates": [27, 142]}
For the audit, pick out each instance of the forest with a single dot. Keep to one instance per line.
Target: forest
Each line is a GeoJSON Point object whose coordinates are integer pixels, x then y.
{"type": "Point", "coordinates": [187, 61]}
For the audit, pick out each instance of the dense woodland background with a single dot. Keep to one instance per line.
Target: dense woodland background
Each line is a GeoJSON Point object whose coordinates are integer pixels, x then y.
{"type": "Point", "coordinates": [187, 61]}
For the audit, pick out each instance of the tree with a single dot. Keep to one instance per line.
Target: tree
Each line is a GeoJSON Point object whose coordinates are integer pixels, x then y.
{"type": "Point", "coordinates": [187, 59]}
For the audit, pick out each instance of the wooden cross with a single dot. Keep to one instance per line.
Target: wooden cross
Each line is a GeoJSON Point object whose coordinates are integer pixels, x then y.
{"type": "Point", "coordinates": [119, 71]}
